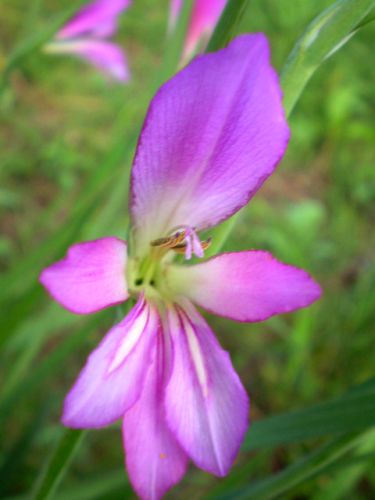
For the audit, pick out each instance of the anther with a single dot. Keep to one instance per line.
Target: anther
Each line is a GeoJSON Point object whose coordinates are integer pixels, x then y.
{"type": "Point", "coordinates": [169, 241]}
{"type": "Point", "coordinates": [182, 247]}
{"type": "Point", "coordinates": [184, 240]}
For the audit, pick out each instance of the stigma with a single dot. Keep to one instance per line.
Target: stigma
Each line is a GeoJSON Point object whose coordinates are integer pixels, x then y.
{"type": "Point", "coordinates": [183, 240]}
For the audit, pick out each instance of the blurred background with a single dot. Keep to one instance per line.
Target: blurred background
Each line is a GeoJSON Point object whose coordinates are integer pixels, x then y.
{"type": "Point", "coordinates": [67, 138]}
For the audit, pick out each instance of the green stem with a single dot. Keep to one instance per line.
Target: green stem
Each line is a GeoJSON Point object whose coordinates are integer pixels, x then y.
{"type": "Point", "coordinates": [60, 460]}
{"type": "Point", "coordinates": [228, 22]}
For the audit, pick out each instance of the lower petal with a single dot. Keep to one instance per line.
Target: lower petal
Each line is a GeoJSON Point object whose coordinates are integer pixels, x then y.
{"type": "Point", "coordinates": [112, 378]}
{"type": "Point", "coordinates": [206, 404]}
{"type": "Point", "coordinates": [154, 460]}
{"type": "Point", "coordinates": [245, 286]}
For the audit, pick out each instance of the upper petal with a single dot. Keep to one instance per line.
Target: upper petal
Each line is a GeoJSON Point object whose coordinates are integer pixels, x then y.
{"type": "Point", "coordinates": [212, 135]}
{"type": "Point", "coordinates": [97, 18]}
{"type": "Point", "coordinates": [112, 378]}
{"type": "Point", "coordinates": [207, 407]}
{"type": "Point", "coordinates": [90, 277]}
{"type": "Point", "coordinates": [154, 459]}
{"type": "Point", "coordinates": [245, 286]}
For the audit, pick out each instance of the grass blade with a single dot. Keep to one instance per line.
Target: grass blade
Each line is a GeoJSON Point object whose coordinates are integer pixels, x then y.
{"type": "Point", "coordinates": [354, 412]}
{"type": "Point", "coordinates": [175, 44]}
{"type": "Point", "coordinates": [350, 413]}
{"type": "Point", "coordinates": [228, 22]}
{"type": "Point", "coordinates": [311, 465]}
{"type": "Point", "coordinates": [327, 33]}
{"type": "Point", "coordinates": [58, 464]}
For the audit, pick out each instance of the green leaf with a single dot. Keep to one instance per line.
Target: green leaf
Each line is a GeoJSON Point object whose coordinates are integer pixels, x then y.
{"type": "Point", "coordinates": [227, 25]}
{"type": "Point", "coordinates": [327, 33]}
{"type": "Point", "coordinates": [350, 472]}
{"type": "Point", "coordinates": [366, 20]}
{"type": "Point", "coordinates": [352, 412]}
{"type": "Point", "coordinates": [58, 463]}
{"type": "Point", "coordinates": [310, 465]}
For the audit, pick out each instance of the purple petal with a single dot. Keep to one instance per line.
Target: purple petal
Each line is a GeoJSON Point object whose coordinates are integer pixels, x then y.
{"type": "Point", "coordinates": [112, 378]}
{"type": "Point", "coordinates": [91, 276]}
{"type": "Point", "coordinates": [212, 136]}
{"type": "Point", "coordinates": [154, 459]}
{"type": "Point", "coordinates": [245, 286]}
{"type": "Point", "coordinates": [206, 404]}
{"type": "Point", "coordinates": [106, 56]}
{"type": "Point", "coordinates": [98, 18]}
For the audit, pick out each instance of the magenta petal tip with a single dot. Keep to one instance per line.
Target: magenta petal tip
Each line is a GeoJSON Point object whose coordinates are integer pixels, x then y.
{"type": "Point", "coordinates": [90, 277]}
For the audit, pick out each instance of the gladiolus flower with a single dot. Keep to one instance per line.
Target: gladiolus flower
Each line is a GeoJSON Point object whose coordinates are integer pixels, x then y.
{"type": "Point", "coordinates": [212, 136]}
{"type": "Point", "coordinates": [85, 36]}
{"type": "Point", "coordinates": [204, 16]}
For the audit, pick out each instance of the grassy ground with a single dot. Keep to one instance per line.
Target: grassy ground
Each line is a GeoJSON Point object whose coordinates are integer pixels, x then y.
{"type": "Point", "coordinates": [67, 140]}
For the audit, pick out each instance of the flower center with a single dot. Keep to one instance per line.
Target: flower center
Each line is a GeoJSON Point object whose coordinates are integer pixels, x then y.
{"type": "Point", "coordinates": [148, 275]}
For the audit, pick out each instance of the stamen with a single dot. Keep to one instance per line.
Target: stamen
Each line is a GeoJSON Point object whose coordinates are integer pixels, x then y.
{"type": "Point", "coordinates": [206, 243]}
{"type": "Point", "coordinates": [180, 249]}
{"type": "Point", "coordinates": [169, 241]}
{"type": "Point", "coordinates": [184, 241]}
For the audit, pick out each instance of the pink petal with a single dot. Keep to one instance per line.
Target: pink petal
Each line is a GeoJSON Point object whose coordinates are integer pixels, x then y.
{"type": "Point", "coordinates": [212, 136]}
{"type": "Point", "coordinates": [245, 286]}
{"type": "Point", "coordinates": [106, 56]}
{"type": "Point", "coordinates": [206, 404]}
{"type": "Point", "coordinates": [96, 18]}
{"type": "Point", "coordinates": [205, 15]}
{"type": "Point", "coordinates": [91, 276]}
{"type": "Point", "coordinates": [154, 459]}
{"type": "Point", "coordinates": [174, 12]}
{"type": "Point", "coordinates": [112, 378]}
